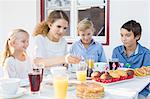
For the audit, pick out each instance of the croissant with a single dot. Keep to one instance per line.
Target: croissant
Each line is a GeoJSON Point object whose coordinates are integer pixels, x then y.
{"type": "Point", "coordinates": [140, 72]}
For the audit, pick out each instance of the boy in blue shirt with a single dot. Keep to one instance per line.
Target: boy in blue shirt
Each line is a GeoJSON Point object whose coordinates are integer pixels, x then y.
{"type": "Point", "coordinates": [86, 46]}
{"type": "Point", "coordinates": [131, 52]}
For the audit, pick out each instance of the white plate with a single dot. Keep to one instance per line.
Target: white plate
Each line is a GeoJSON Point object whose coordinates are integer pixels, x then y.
{"type": "Point", "coordinates": [24, 83]}
{"type": "Point", "coordinates": [142, 77]}
{"type": "Point", "coordinates": [20, 92]}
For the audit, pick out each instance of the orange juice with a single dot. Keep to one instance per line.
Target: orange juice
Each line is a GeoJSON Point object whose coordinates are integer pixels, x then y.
{"type": "Point", "coordinates": [60, 87]}
{"type": "Point", "coordinates": [90, 63]}
{"type": "Point", "coordinates": [81, 75]}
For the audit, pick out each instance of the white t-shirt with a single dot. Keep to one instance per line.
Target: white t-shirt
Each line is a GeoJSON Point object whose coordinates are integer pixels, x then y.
{"type": "Point", "coordinates": [17, 68]}
{"type": "Point", "coordinates": [1, 72]}
{"type": "Point", "coordinates": [45, 48]}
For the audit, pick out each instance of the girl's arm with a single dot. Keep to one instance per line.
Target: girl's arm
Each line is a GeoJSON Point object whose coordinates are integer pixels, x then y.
{"type": "Point", "coordinates": [10, 67]}
{"type": "Point", "coordinates": [57, 60]}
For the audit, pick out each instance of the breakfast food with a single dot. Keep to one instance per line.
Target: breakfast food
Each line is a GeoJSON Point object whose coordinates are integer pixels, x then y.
{"type": "Point", "coordinates": [140, 72]}
{"type": "Point", "coordinates": [143, 71]}
{"type": "Point", "coordinates": [97, 74]}
{"type": "Point", "coordinates": [130, 73]}
{"type": "Point", "coordinates": [123, 74]}
{"type": "Point", "coordinates": [146, 69]}
{"type": "Point", "coordinates": [90, 90]}
{"type": "Point", "coordinates": [115, 75]}
{"type": "Point", "coordinates": [106, 78]}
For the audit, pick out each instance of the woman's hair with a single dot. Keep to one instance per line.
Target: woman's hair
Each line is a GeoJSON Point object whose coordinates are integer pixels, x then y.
{"type": "Point", "coordinates": [7, 50]}
{"type": "Point", "coordinates": [85, 24]}
{"type": "Point", "coordinates": [133, 26]}
{"type": "Point", "coordinates": [43, 29]}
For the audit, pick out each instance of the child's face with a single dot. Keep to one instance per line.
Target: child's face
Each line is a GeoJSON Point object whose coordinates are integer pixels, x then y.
{"type": "Point", "coordinates": [58, 29]}
{"type": "Point", "coordinates": [128, 38]}
{"type": "Point", "coordinates": [21, 42]}
{"type": "Point", "coordinates": [86, 36]}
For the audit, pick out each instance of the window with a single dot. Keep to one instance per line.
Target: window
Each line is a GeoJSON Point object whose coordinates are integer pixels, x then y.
{"type": "Point", "coordinates": [96, 10]}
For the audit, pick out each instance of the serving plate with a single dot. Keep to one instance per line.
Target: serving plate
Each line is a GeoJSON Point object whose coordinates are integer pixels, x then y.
{"type": "Point", "coordinates": [112, 83]}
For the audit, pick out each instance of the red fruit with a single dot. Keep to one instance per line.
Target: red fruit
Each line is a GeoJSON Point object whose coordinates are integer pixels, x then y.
{"type": "Point", "coordinates": [97, 79]}
{"type": "Point", "coordinates": [129, 77]}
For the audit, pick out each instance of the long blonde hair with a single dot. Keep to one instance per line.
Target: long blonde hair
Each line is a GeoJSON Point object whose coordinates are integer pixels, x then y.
{"type": "Point", "coordinates": [43, 28]}
{"type": "Point", "coordinates": [7, 52]}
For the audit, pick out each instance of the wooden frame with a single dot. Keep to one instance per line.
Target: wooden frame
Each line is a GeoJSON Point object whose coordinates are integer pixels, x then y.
{"type": "Point", "coordinates": [44, 12]}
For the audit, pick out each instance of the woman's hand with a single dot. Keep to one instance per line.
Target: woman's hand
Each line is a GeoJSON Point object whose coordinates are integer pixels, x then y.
{"type": "Point", "coordinates": [72, 59]}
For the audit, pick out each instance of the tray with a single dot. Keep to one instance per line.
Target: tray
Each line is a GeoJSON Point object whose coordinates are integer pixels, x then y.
{"type": "Point", "coordinates": [112, 83]}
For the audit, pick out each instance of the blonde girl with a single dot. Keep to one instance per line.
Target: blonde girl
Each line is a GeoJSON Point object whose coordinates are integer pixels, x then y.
{"type": "Point", "coordinates": [50, 46]}
{"type": "Point", "coordinates": [15, 58]}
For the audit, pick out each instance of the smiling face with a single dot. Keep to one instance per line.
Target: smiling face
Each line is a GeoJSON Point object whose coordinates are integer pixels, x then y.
{"type": "Point", "coordinates": [21, 42]}
{"type": "Point", "coordinates": [58, 29]}
{"type": "Point", "coordinates": [86, 36]}
{"type": "Point", "coordinates": [128, 38]}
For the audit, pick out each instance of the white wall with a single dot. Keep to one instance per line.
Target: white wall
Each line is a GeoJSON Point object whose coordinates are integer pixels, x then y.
{"type": "Point", "coordinates": [25, 14]}
{"type": "Point", "coordinates": [124, 10]}
{"type": "Point", "coordinates": [17, 14]}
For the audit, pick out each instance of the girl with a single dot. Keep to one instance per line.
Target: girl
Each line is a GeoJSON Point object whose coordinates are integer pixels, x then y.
{"type": "Point", "coordinates": [86, 46]}
{"type": "Point", "coordinates": [15, 58]}
{"type": "Point", "coordinates": [50, 46]}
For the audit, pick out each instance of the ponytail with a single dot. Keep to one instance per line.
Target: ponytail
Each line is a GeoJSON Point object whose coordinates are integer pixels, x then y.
{"type": "Point", "coordinates": [6, 53]}
{"type": "Point", "coordinates": [41, 28]}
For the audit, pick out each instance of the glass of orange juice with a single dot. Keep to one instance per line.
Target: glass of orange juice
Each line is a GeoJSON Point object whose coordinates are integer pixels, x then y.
{"type": "Point", "coordinates": [90, 61]}
{"type": "Point", "coordinates": [81, 71]}
{"type": "Point", "coordinates": [60, 81]}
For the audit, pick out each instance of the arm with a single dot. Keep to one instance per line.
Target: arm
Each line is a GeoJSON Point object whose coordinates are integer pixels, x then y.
{"type": "Point", "coordinates": [146, 61]}
{"type": "Point", "coordinates": [57, 60]}
{"type": "Point", "coordinates": [39, 47]}
{"type": "Point", "coordinates": [10, 68]}
{"type": "Point", "coordinates": [102, 57]}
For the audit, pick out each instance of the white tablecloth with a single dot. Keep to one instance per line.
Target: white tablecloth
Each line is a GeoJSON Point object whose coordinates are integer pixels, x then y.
{"type": "Point", "coordinates": [124, 90]}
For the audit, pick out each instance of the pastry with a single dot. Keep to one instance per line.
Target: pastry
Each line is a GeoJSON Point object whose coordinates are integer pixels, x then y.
{"type": "Point", "coordinates": [90, 90]}
{"type": "Point", "coordinates": [106, 78]}
{"type": "Point", "coordinates": [130, 73]}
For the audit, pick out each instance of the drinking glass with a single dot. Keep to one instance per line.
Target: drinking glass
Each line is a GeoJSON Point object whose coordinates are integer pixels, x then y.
{"type": "Point", "coordinates": [60, 81]}
{"type": "Point", "coordinates": [81, 71]}
{"type": "Point", "coordinates": [90, 64]}
{"type": "Point", "coordinates": [113, 63]}
{"type": "Point", "coordinates": [39, 68]}
{"type": "Point", "coordinates": [35, 80]}
{"type": "Point", "coordinates": [90, 61]}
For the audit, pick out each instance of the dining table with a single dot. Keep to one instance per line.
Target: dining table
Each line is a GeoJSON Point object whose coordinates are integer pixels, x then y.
{"type": "Point", "coordinates": [127, 89]}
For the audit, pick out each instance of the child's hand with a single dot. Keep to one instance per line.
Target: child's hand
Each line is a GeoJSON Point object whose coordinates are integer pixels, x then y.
{"type": "Point", "coordinates": [37, 61]}
{"type": "Point", "coordinates": [72, 59]}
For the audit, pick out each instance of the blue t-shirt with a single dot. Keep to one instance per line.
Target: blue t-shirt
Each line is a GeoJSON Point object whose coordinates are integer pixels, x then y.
{"type": "Point", "coordinates": [141, 56]}
{"type": "Point", "coordinates": [95, 49]}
